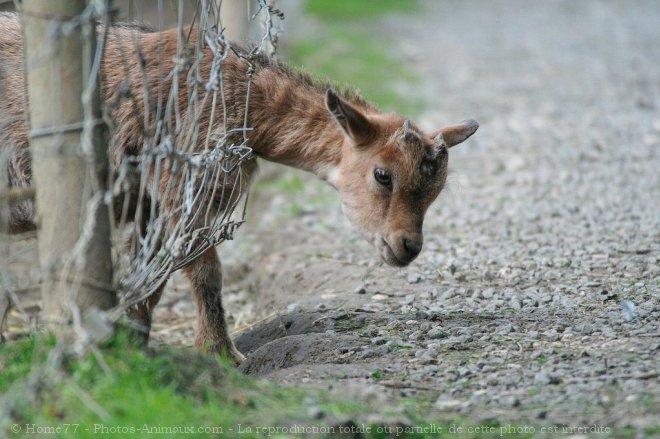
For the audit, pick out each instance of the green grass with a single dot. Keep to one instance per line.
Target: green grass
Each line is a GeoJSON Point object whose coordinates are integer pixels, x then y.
{"type": "Point", "coordinates": [305, 193]}
{"type": "Point", "coordinates": [348, 48]}
{"type": "Point", "coordinates": [170, 389]}
{"type": "Point", "coordinates": [282, 183]}
{"type": "Point", "coordinates": [358, 9]}
{"type": "Point", "coordinates": [153, 395]}
{"type": "Point", "coordinates": [15, 362]}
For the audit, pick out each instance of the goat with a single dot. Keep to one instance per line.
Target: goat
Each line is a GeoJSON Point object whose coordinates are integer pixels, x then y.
{"type": "Point", "coordinates": [387, 170]}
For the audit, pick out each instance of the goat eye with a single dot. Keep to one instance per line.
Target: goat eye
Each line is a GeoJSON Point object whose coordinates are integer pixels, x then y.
{"type": "Point", "coordinates": [428, 168]}
{"type": "Point", "coordinates": [383, 177]}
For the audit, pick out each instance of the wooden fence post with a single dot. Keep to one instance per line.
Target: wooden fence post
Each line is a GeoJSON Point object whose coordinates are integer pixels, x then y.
{"type": "Point", "coordinates": [69, 154]}
{"type": "Point", "coordinates": [235, 17]}
{"type": "Point", "coordinates": [4, 247]}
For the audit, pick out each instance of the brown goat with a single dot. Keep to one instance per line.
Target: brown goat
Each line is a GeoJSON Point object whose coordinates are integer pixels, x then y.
{"type": "Point", "coordinates": [387, 171]}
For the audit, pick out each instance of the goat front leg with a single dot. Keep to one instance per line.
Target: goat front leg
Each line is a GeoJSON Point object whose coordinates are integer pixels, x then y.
{"type": "Point", "coordinates": [205, 275]}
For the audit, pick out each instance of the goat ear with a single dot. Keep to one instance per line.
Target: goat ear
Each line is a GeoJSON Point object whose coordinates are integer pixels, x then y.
{"type": "Point", "coordinates": [350, 119]}
{"type": "Point", "coordinates": [455, 134]}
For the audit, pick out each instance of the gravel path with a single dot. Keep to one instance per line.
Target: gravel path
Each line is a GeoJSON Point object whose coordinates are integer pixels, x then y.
{"type": "Point", "coordinates": [537, 294]}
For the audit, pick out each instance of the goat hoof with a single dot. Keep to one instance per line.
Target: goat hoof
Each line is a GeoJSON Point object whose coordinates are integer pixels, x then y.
{"type": "Point", "coordinates": [236, 357]}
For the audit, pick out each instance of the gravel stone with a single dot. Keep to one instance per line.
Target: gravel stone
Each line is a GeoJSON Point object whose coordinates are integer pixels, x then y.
{"type": "Point", "coordinates": [544, 378]}
{"type": "Point", "coordinates": [585, 329]}
{"type": "Point", "coordinates": [437, 332]}
{"type": "Point", "coordinates": [488, 293]}
{"type": "Point", "coordinates": [458, 340]}
{"type": "Point", "coordinates": [448, 405]}
{"type": "Point", "coordinates": [510, 401]}
{"type": "Point", "coordinates": [341, 315]}
{"type": "Point", "coordinates": [374, 352]}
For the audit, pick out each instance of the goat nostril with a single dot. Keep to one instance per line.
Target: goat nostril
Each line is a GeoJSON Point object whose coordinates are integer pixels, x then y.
{"type": "Point", "coordinates": [412, 247]}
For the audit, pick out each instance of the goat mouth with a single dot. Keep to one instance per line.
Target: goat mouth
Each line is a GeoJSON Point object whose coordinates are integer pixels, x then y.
{"type": "Point", "coordinates": [388, 255]}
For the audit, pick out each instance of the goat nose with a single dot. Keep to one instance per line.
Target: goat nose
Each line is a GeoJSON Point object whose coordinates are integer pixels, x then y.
{"type": "Point", "coordinates": [412, 247]}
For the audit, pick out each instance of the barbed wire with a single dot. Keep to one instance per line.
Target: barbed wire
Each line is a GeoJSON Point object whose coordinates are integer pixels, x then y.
{"type": "Point", "coordinates": [205, 193]}
{"type": "Point", "coordinates": [182, 192]}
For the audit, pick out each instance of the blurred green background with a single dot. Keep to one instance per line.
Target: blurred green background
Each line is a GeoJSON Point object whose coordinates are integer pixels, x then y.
{"type": "Point", "coordinates": [345, 41]}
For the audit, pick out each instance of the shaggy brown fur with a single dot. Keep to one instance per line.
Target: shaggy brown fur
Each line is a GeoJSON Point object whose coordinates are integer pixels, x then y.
{"type": "Point", "coordinates": [387, 171]}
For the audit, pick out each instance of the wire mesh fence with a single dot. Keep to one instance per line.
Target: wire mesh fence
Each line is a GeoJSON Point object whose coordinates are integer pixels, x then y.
{"type": "Point", "coordinates": [178, 154]}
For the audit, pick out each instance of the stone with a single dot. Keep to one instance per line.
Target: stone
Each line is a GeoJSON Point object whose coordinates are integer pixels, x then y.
{"type": "Point", "coordinates": [437, 332]}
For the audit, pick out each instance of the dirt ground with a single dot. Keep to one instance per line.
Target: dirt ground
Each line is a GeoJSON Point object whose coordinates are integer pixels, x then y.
{"type": "Point", "coordinates": [537, 295]}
